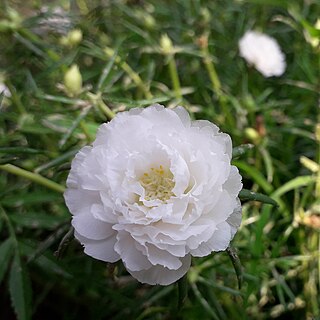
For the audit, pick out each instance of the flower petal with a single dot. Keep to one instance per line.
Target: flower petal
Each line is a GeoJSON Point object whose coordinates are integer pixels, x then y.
{"type": "Point", "coordinates": [218, 242]}
{"type": "Point", "coordinates": [99, 249]}
{"type": "Point", "coordinates": [162, 275]}
{"type": "Point", "coordinates": [88, 226]}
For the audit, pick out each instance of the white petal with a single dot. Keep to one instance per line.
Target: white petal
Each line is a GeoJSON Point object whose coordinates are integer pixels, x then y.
{"type": "Point", "coordinates": [80, 201]}
{"type": "Point", "coordinates": [183, 115]}
{"type": "Point", "coordinates": [132, 258]}
{"type": "Point", "coordinates": [99, 249]}
{"type": "Point", "coordinates": [73, 177]}
{"type": "Point", "coordinates": [235, 219]}
{"type": "Point", "coordinates": [162, 275]}
{"type": "Point", "coordinates": [233, 185]}
{"type": "Point", "coordinates": [88, 226]}
{"type": "Point", "coordinates": [218, 242]}
{"type": "Point", "coordinates": [162, 257]}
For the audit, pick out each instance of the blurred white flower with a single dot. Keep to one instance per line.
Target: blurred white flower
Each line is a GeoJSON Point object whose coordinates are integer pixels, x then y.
{"type": "Point", "coordinates": [4, 94]}
{"type": "Point", "coordinates": [263, 52]}
{"type": "Point", "coordinates": [4, 90]}
{"type": "Point", "coordinates": [154, 189]}
{"type": "Point", "coordinates": [55, 20]}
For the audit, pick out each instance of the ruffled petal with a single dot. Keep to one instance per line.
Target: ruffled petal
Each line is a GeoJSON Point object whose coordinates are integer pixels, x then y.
{"type": "Point", "coordinates": [218, 242]}
{"type": "Point", "coordinates": [88, 226]}
{"type": "Point", "coordinates": [162, 275]}
{"type": "Point", "coordinates": [99, 249]}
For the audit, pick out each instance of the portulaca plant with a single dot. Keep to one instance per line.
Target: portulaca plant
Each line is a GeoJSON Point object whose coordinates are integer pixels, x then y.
{"type": "Point", "coordinates": [263, 52]}
{"type": "Point", "coordinates": [154, 190]}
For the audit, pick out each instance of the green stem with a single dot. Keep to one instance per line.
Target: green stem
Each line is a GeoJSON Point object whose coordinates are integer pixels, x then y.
{"type": "Point", "coordinates": [16, 99]}
{"type": "Point", "coordinates": [35, 177]}
{"type": "Point", "coordinates": [97, 100]}
{"type": "Point", "coordinates": [10, 227]}
{"type": "Point", "coordinates": [174, 77]}
{"type": "Point", "coordinates": [215, 81]}
{"type": "Point", "coordinates": [105, 109]}
{"type": "Point", "coordinates": [131, 73]}
{"type": "Point", "coordinates": [85, 130]}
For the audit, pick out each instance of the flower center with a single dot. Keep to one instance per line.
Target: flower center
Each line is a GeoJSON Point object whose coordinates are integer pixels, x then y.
{"type": "Point", "coordinates": [158, 184]}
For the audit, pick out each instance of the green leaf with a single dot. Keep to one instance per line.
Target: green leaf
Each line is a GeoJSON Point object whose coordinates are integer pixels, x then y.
{"type": "Point", "coordinates": [46, 262]}
{"type": "Point", "coordinates": [182, 291]}
{"type": "Point", "coordinates": [236, 264]}
{"type": "Point", "coordinates": [37, 220]}
{"type": "Point", "coordinates": [20, 290]}
{"type": "Point", "coordinates": [74, 125]}
{"type": "Point", "coordinates": [60, 99]}
{"type": "Point", "coordinates": [8, 159]}
{"type": "Point", "coordinates": [22, 199]}
{"type": "Point", "coordinates": [254, 196]}
{"type": "Point", "coordinates": [5, 255]}
{"type": "Point", "coordinates": [57, 161]}
{"type": "Point", "coordinates": [242, 149]}
{"type": "Point", "coordinates": [16, 150]}
{"type": "Point", "coordinates": [295, 183]}
{"type": "Point", "coordinates": [255, 174]}
{"type": "Point", "coordinates": [64, 242]}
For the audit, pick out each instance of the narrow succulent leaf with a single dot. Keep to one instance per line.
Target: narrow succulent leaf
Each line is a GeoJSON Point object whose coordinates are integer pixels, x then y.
{"type": "Point", "coordinates": [242, 149]}
{"type": "Point", "coordinates": [182, 291]}
{"type": "Point", "coordinates": [37, 220]}
{"type": "Point", "coordinates": [5, 256]}
{"type": "Point", "coordinates": [48, 242]}
{"type": "Point", "coordinates": [254, 196]}
{"type": "Point", "coordinates": [75, 124]}
{"type": "Point", "coordinates": [106, 71]}
{"type": "Point", "coordinates": [295, 183]}
{"type": "Point", "coordinates": [57, 161]}
{"type": "Point", "coordinates": [64, 242]}
{"type": "Point", "coordinates": [18, 150]}
{"type": "Point", "coordinates": [255, 174]}
{"type": "Point", "coordinates": [19, 288]}
{"type": "Point", "coordinates": [8, 159]}
{"type": "Point", "coordinates": [236, 264]}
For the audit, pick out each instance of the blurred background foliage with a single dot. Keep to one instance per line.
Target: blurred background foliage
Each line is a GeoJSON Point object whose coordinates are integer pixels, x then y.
{"type": "Point", "coordinates": [69, 66]}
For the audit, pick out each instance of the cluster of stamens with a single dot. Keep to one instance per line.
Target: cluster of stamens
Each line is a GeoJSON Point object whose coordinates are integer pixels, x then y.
{"type": "Point", "coordinates": [158, 184]}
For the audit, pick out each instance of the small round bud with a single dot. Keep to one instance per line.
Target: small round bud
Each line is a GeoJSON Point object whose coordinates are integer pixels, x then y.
{"type": "Point", "coordinates": [73, 81]}
{"type": "Point", "coordinates": [74, 37]}
{"type": "Point", "coordinates": [253, 135]}
{"type": "Point", "coordinates": [166, 44]}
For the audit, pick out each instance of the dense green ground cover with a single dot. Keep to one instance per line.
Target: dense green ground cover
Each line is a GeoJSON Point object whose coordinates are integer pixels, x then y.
{"type": "Point", "coordinates": [125, 61]}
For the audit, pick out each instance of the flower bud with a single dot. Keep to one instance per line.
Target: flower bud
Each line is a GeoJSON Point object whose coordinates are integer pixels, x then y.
{"type": "Point", "coordinates": [317, 133]}
{"type": "Point", "coordinates": [253, 135]}
{"type": "Point", "coordinates": [309, 164]}
{"type": "Point", "coordinates": [75, 37]}
{"type": "Point", "coordinates": [149, 21]}
{"type": "Point", "coordinates": [72, 39]}
{"type": "Point", "coordinates": [73, 81]}
{"type": "Point", "coordinates": [166, 44]}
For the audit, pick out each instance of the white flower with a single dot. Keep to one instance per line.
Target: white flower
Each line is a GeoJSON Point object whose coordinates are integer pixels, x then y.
{"type": "Point", "coordinates": [54, 19]}
{"type": "Point", "coordinates": [263, 52]}
{"type": "Point", "coordinates": [4, 94]}
{"type": "Point", "coordinates": [4, 90]}
{"type": "Point", "coordinates": [154, 189]}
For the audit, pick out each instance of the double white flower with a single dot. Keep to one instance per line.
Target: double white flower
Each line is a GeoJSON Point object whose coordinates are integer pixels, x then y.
{"type": "Point", "coordinates": [154, 189]}
{"type": "Point", "coordinates": [263, 52]}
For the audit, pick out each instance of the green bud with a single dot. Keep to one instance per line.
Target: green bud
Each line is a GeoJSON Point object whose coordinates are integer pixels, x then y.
{"type": "Point", "coordinates": [166, 44]}
{"type": "Point", "coordinates": [309, 164]}
{"type": "Point", "coordinates": [73, 81]}
{"type": "Point", "coordinates": [149, 21]}
{"type": "Point", "coordinates": [253, 135]}
{"type": "Point", "coordinates": [317, 133]}
{"type": "Point", "coordinates": [14, 16]}
{"type": "Point", "coordinates": [74, 37]}
{"type": "Point", "coordinates": [206, 16]}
